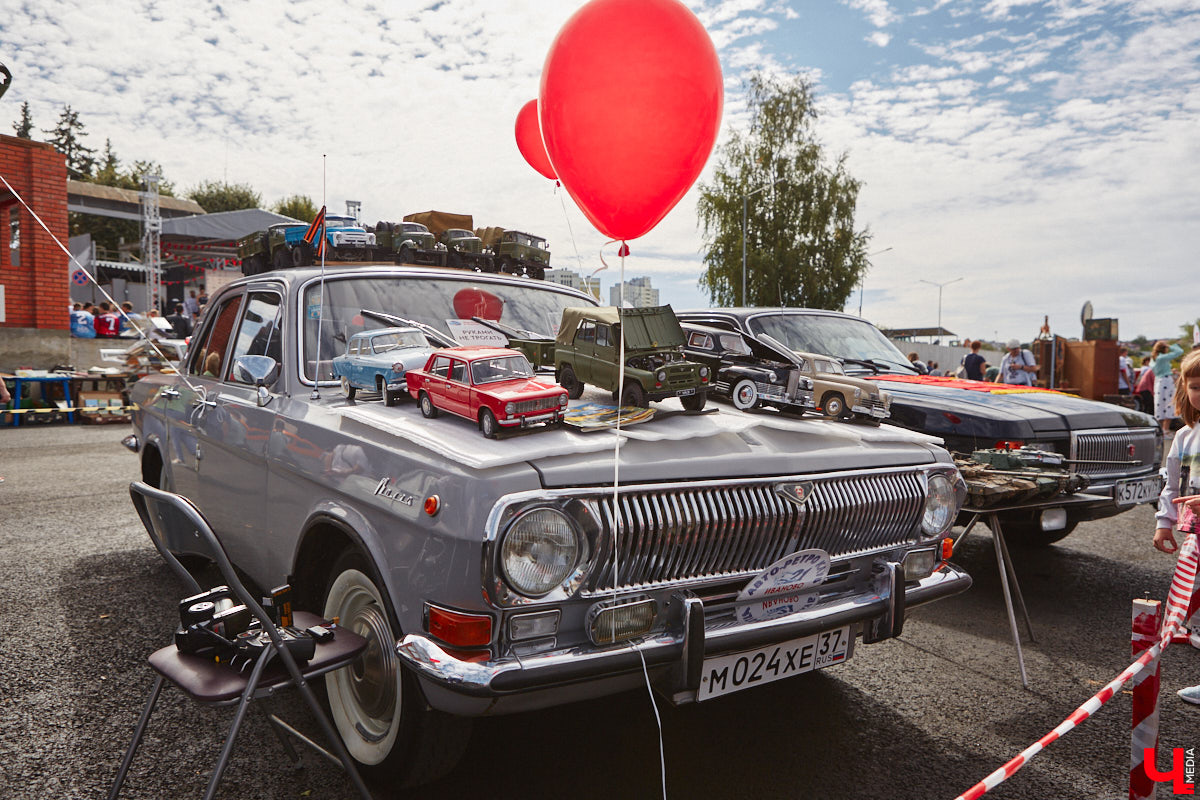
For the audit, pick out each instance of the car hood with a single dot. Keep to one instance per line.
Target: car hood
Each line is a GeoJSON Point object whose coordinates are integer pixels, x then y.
{"type": "Point", "coordinates": [948, 406]}
{"type": "Point", "coordinates": [723, 444]}
{"type": "Point", "coordinates": [520, 389]}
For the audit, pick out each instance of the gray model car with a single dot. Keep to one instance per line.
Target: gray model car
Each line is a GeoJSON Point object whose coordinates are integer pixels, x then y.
{"type": "Point", "coordinates": [496, 576]}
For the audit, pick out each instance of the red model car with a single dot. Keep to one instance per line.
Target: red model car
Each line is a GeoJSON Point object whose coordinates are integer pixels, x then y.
{"type": "Point", "coordinates": [494, 386]}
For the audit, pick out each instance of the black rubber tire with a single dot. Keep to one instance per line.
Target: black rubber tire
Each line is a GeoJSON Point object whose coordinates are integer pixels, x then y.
{"type": "Point", "coordinates": [634, 395]}
{"type": "Point", "coordinates": [281, 259]}
{"type": "Point", "coordinates": [390, 398]}
{"type": "Point", "coordinates": [453, 260]}
{"type": "Point", "coordinates": [407, 743]}
{"type": "Point", "coordinates": [695, 402]}
{"type": "Point", "coordinates": [834, 405]}
{"type": "Point", "coordinates": [744, 395]}
{"type": "Point", "coordinates": [302, 255]}
{"type": "Point", "coordinates": [405, 255]}
{"type": "Point", "coordinates": [347, 389]}
{"type": "Point", "coordinates": [428, 409]}
{"type": "Point", "coordinates": [570, 381]}
{"type": "Point", "coordinates": [488, 424]}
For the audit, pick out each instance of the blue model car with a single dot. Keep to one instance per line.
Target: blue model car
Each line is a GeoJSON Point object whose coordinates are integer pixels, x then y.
{"type": "Point", "coordinates": [376, 361]}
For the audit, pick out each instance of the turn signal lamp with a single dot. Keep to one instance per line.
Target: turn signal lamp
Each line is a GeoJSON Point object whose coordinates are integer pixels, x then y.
{"type": "Point", "coordinates": [432, 504]}
{"type": "Point", "coordinates": [947, 548]}
{"type": "Point", "coordinates": [458, 628]}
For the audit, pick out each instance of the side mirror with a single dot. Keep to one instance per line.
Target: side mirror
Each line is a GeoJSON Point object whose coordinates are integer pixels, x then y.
{"type": "Point", "coordinates": [259, 371]}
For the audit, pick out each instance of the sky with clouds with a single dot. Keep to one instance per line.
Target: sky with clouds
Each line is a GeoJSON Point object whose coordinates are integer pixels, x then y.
{"type": "Point", "coordinates": [1045, 153]}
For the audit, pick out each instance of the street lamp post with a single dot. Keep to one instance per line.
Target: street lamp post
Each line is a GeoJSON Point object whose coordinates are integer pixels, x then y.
{"type": "Point", "coordinates": [940, 286]}
{"type": "Point", "coordinates": [862, 279]}
{"type": "Point", "coordinates": [745, 202]}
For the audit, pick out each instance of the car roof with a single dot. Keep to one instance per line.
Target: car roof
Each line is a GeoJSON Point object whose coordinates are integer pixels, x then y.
{"type": "Point", "coordinates": [476, 352]}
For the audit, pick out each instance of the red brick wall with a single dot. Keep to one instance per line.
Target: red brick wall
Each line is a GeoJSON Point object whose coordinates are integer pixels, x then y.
{"type": "Point", "coordinates": [37, 290]}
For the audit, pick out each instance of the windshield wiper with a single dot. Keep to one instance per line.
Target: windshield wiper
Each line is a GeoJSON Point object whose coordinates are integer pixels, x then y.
{"type": "Point", "coordinates": [862, 362]}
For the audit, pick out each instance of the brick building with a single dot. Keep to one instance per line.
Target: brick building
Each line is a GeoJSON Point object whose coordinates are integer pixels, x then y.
{"type": "Point", "coordinates": [34, 292]}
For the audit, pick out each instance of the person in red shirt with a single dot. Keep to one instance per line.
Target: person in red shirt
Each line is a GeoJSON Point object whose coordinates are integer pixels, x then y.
{"type": "Point", "coordinates": [108, 324]}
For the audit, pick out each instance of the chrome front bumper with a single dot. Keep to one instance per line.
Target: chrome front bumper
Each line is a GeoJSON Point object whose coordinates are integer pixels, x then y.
{"type": "Point", "coordinates": [674, 655]}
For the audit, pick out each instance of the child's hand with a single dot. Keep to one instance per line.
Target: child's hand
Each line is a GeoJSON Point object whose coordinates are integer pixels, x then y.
{"type": "Point", "coordinates": [1192, 501]}
{"type": "Point", "coordinates": [1164, 540]}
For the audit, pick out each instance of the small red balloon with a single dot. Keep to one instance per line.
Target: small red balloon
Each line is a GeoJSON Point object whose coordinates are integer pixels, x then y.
{"type": "Point", "coordinates": [630, 107]}
{"type": "Point", "coordinates": [529, 140]}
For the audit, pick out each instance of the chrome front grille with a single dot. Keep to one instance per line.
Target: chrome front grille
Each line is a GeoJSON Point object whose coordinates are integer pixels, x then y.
{"type": "Point", "coordinates": [538, 404]}
{"type": "Point", "coordinates": [714, 532]}
{"type": "Point", "coordinates": [1113, 445]}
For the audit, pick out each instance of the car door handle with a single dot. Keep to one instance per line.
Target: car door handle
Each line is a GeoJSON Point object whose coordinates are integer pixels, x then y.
{"type": "Point", "coordinates": [170, 393]}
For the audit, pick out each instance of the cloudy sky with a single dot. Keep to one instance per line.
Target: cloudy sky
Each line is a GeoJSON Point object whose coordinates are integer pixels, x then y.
{"type": "Point", "coordinates": [1046, 152]}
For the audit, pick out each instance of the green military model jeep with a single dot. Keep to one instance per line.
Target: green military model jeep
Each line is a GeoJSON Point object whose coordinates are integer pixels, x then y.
{"type": "Point", "coordinates": [586, 351]}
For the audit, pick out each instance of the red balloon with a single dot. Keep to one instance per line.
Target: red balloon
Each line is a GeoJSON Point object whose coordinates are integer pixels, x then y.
{"type": "Point", "coordinates": [529, 140]}
{"type": "Point", "coordinates": [630, 107]}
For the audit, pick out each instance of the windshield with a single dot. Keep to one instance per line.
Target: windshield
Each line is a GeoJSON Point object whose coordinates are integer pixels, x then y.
{"type": "Point", "coordinates": [459, 233]}
{"type": "Point", "coordinates": [386, 342]}
{"type": "Point", "coordinates": [414, 227]}
{"type": "Point", "coordinates": [490, 370]}
{"type": "Point", "coordinates": [530, 306]}
{"type": "Point", "coordinates": [841, 337]}
{"type": "Point", "coordinates": [340, 222]}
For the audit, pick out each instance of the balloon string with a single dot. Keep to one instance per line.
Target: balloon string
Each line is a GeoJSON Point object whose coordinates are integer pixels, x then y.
{"type": "Point", "coordinates": [570, 230]}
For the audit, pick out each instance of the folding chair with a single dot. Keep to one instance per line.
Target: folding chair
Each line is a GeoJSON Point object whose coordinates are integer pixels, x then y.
{"type": "Point", "coordinates": [205, 680]}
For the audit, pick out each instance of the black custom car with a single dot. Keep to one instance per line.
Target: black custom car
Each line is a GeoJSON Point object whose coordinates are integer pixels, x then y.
{"type": "Point", "coordinates": [1119, 450]}
{"type": "Point", "coordinates": [750, 373]}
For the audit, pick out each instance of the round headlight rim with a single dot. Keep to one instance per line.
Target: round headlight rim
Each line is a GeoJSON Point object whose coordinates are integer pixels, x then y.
{"type": "Point", "coordinates": [581, 553]}
{"type": "Point", "coordinates": [948, 501]}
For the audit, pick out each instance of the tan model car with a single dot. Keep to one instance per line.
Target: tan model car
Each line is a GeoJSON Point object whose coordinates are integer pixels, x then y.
{"type": "Point", "coordinates": [840, 396]}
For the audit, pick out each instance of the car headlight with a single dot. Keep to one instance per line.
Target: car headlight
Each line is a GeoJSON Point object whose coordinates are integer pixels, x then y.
{"type": "Point", "coordinates": [941, 506]}
{"type": "Point", "coordinates": [562, 400]}
{"type": "Point", "coordinates": [539, 551]}
{"type": "Point", "coordinates": [662, 376]}
{"type": "Point", "coordinates": [370, 238]}
{"type": "Point", "coordinates": [337, 238]}
{"type": "Point", "coordinates": [857, 392]}
{"type": "Point", "coordinates": [703, 372]}
{"type": "Point", "coordinates": [509, 408]}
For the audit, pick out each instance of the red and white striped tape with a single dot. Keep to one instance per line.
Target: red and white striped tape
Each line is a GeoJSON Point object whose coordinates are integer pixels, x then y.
{"type": "Point", "coordinates": [1179, 600]}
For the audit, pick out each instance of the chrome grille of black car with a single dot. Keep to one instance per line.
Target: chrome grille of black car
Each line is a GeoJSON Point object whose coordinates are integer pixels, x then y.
{"type": "Point", "coordinates": [539, 404]}
{"type": "Point", "coordinates": [1113, 446]}
{"type": "Point", "coordinates": [717, 532]}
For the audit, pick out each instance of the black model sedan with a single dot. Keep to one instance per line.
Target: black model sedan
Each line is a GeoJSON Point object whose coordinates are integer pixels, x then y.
{"type": "Point", "coordinates": [749, 373]}
{"type": "Point", "coordinates": [1117, 449]}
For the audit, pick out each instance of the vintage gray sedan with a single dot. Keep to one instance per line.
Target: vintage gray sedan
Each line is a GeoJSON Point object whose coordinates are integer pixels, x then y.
{"type": "Point", "coordinates": [495, 576]}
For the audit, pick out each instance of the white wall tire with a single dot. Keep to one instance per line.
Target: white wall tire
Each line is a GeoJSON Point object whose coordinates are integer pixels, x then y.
{"type": "Point", "coordinates": [745, 395]}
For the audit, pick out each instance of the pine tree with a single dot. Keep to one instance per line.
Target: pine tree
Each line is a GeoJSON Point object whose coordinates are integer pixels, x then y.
{"type": "Point", "coordinates": [67, 138]}
{"type": "Point", "coordinates": [24, 126]}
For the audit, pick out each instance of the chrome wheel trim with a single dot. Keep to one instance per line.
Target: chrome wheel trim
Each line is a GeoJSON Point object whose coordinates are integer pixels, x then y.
{"type": "Point", "coordinates": [365, 698]}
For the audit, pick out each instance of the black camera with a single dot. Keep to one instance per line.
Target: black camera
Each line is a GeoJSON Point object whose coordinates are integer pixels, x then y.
{"type": "Point", "coordinates": [213, 624]}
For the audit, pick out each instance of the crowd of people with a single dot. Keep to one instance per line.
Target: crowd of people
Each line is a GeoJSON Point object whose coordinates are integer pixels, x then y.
{"type": "Point", "coordinates": [107, 321]}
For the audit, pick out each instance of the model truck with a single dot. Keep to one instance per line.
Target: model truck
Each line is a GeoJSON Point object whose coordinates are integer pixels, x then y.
{"type": "Point", "coordinates": [408, 243]}
{"type": "Point", "coordinates": [517, 252]}
{"type": "Point", "coordinates": [282, 245]}
{"type": "Point", "coordinates": [463, 248]}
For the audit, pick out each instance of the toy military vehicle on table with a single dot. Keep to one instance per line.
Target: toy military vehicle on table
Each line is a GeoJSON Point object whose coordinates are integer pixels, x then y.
{"type": "Point", "coordinates": [1024, 475]}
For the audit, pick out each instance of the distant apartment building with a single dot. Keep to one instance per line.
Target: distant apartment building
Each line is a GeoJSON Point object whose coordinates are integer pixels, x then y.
{"type": "Point", "coordinates": [638, 292]}
{"type": "Point", "coordinates": [567, 277]}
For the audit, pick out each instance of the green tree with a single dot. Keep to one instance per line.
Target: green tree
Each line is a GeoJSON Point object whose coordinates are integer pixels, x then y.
{"type": "Point", "coordinates": [67, 138]}
{"type": "Point", "coordinates": [801, 246]}
{"type": "Point", "coordinates": [214, 196]}
{"type": "Point", "coordinates": [24, 126]}
{"type": "Point", "coordinates": [297, 206]}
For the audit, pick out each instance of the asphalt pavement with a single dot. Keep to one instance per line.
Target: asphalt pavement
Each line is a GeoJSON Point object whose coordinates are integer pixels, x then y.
{"type": "Point", "coordinates": [84, 599]}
